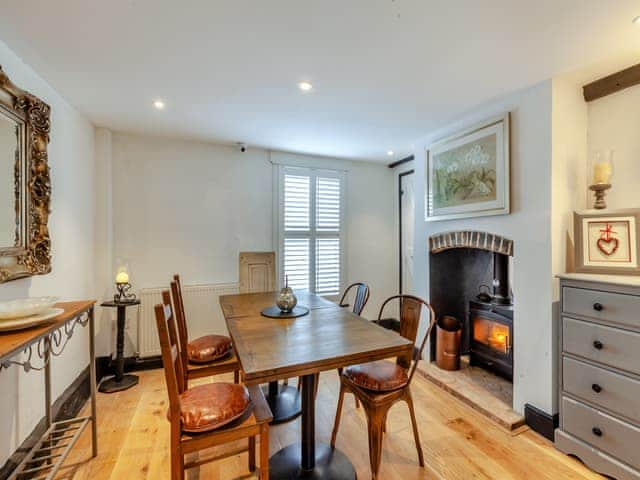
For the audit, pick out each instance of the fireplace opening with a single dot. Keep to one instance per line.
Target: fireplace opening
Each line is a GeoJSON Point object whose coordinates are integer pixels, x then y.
{"type": "Point", "coordinates": [469, 280]}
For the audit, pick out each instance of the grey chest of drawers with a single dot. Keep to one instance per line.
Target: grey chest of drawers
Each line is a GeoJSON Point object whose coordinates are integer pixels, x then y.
{"type": "Point", "coordinates": [599, 377]}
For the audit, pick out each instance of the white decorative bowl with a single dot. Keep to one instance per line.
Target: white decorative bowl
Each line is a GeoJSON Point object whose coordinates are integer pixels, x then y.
{"type": "Point", "coordinates": [25, 307]}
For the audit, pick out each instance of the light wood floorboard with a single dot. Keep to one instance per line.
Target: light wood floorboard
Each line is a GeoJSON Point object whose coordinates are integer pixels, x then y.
{"type": "Point", "coordinates": [458, 443]}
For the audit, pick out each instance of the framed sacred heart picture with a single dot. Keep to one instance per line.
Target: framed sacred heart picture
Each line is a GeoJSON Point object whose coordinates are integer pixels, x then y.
{"type": "Point", "coordinates": [467, 174]}
{"type": "Point", "coordinates": [607, 242]}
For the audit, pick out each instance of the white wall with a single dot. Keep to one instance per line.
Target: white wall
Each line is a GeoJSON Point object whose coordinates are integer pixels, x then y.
{"type": "Point", "coordinates": [613, 124]}
{"type": "Point", "coordinates": [191, 207]}
{"type": "Point", "coordinates": [529, 225]}
{"type": "Point", "coordinates": [71, 158]}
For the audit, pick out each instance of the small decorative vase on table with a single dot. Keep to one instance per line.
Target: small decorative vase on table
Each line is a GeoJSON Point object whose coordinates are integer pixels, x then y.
{"type": "Point", "coordinates": [287, 300]}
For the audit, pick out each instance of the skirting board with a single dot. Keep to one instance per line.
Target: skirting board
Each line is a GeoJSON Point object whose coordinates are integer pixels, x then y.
{"type": "Point", "coordinates": [540, 421]}
{"type": "Point", "coordinates": [68, 405]}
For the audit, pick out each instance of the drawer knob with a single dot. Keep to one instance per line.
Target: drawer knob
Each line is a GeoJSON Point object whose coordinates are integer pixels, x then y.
{"type": "Point", "coordinates": [596, 388]}
{"type": "Point", "coordinates": [597, 307]}
{"type": "Point", "coordinates": [598, 345]}
{"type": "Point", "coordinates": [596, 431]}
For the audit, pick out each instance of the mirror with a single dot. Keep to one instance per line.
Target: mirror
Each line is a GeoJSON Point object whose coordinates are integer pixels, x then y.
{"type": "Point", "coordinates": [25, 187]}
{"type": "Point", "coordinates": [10, 184]}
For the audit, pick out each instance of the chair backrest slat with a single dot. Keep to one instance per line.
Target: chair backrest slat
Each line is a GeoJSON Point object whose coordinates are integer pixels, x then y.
{"type": "Point", "coordinates": [170, 353]}
{"type": "Point", "coordinates": [361, 298]}
{"type": "Point", "coordinates": [410, 315]}
{"type": "Point", "coordinates": [181, 320]}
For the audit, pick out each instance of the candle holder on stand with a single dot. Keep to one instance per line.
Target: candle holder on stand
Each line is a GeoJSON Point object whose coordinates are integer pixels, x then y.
{"type": "Point", "coordinates": [123, 287]}
{"type": "Point", "coordinates": [600, 191]}
{"type": "Point", "coordinates": [124, 294]}
{"type": "Point", "coordinates": [602, 170]}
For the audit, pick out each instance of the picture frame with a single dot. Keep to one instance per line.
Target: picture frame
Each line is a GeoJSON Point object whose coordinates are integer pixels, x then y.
{"type": "Point", "coordinates": [607, 242]}
{"type": "Point", "coordinates": [468, 173]}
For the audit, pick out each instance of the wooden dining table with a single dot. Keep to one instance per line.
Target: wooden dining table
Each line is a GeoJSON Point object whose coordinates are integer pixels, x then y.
{"type": "Point", "coordinates": [327, 338]}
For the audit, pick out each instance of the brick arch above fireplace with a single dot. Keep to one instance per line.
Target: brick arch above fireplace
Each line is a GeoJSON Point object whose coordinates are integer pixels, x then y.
{"type": "Point", "coordinates": [470, 239]}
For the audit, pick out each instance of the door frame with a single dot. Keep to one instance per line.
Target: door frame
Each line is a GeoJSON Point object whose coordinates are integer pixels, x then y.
{"type": "Point", "coordinates": [400, 175]}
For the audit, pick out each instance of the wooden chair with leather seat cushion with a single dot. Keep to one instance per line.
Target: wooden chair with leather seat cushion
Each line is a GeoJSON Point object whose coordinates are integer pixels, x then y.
{"type": "Point", "coordinates": [204, 356]}
{"type": "Point", "coordinates": [381, 384]}
{"type": "Point", "coordinates": [208, 415]}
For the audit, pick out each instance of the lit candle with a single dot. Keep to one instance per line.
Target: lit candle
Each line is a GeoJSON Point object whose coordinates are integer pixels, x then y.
{"type": "Point", "coordinates": [601, 173]}
{"type": "Point", "coordinates": [122, 277]}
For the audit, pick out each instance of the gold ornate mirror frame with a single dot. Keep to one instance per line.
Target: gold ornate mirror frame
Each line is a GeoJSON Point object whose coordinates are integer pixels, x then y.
{"type": "Point", "coordinates": [33, 255]}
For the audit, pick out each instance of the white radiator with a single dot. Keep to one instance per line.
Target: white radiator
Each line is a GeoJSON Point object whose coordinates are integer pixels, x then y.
{"type": "Point", "coordinates": [202, 309]}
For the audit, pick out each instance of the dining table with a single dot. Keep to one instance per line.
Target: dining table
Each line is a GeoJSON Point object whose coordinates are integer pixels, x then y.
{"type": "Point", "coordinates": [328, 337]}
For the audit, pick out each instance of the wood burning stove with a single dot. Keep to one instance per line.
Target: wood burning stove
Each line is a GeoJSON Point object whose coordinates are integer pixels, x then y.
{"type": "Point", "coordinates": [491, 337]}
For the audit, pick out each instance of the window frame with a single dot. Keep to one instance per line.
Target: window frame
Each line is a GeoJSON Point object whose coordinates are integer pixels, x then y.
{"type": "Point", "coordinates": [312, 234]}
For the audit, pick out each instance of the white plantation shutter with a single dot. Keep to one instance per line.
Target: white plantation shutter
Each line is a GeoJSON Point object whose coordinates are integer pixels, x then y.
{"type": "Point", "coordinates": [310, 229]}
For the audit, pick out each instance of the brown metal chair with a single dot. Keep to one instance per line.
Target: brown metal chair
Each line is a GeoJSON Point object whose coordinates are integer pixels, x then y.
{"type": "Point", "coordinates": [211, 414]}
{"type": "Point", "coordinates": [196, 355]}
{"type": "Point", "coordinates": [379, 385]}
{"type": "Point", "coordinates": [360, 300]}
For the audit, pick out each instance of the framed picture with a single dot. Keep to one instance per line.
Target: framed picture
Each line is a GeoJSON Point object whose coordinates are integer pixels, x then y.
{"type": "Point", "coordinates": [468, 173]}
{"type": "Point", "coordinates": [607, 242]}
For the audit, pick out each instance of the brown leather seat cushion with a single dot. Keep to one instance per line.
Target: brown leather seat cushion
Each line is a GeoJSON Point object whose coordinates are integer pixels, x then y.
{"type": "Point", "coordinates": [207, 407]}
{"type": "Point", "coordinates": [381, 375]}
{"type": "Point", "coordinates": [208, 348]}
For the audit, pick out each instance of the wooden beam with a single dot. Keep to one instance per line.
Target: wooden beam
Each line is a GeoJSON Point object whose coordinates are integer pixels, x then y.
{"type": "Point", "coordinates": [400, 162]}
{"type": "Point", "coordinates": [612, 83]}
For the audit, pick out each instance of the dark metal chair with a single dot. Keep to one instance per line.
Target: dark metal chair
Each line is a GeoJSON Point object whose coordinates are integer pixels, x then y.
{"type": "Point", "coordinates": [360, 300]}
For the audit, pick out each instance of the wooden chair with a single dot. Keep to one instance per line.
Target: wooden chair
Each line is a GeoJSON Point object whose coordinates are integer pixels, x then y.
{"type": "Point", "coordinates": [208, 415]}
{"type": "Point", "coordinates": [379, 385]}
{"type": "Point", "coordinates": [196, 355]}
{"type": "Point", "coordinates": [360, 300]}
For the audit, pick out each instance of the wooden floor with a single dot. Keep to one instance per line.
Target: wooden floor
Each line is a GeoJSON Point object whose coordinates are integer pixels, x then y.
{"type": "Point", "coordinates": [458, 442]}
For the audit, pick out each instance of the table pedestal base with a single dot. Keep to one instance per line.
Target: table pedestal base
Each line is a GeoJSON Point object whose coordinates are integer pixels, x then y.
{"type": "Point", "coordinates": [284, 402]}
{"type": "Point", "coordinates": [331, 464]}
{"type": "Point", "coordinates": [111, 385]}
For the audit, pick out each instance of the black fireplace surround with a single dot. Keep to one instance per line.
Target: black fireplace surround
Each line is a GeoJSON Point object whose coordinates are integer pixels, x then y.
{"type": "Point", "coordinates": [462, 265]}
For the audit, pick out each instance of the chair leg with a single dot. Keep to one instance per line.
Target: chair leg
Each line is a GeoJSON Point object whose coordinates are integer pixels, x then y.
{"type": "Point", "coordinates": [252, 454]}
{"type": "Point", "coordinates": [336, 423]}
{"type": "Point", "coordinates": [416, 436]}
{"type": "Point", "coordinates": [375, 421]}
{"type": "Point", "coordinates": [236, 376]}
{"type": "Point", "coordinates": [177, 462]}
{"type": "Point", "coordinates": [264, 452]}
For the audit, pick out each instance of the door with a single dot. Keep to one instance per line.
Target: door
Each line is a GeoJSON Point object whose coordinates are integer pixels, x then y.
{"type": "Point", "coordinates": [407, 212]}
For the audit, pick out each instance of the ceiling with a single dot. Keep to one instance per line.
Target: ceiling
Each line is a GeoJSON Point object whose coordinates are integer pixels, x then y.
{"type": "Point", "coordinates": [384, 72]}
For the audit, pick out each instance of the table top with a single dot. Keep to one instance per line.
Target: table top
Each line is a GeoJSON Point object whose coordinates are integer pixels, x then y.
{"type": "Point", "coordinates": [111, 303]}
{"type": "Point", "coordinates": [245, 304]}
{"type": "Point", "coordinates": [325, 339]}
{"type": "Point", "coordinates": [12, 343]}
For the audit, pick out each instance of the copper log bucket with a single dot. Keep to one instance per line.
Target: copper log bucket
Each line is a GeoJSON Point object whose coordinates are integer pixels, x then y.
{"type": "Point", "coordinates": [448, 335]}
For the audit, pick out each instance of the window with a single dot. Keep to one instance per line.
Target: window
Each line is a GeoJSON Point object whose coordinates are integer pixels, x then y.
{"type": "Point", "coordinates": [311, 244]}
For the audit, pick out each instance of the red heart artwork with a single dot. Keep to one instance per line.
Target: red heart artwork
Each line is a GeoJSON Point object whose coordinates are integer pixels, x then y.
{"type": "Point", "coordinates": [608, 246]}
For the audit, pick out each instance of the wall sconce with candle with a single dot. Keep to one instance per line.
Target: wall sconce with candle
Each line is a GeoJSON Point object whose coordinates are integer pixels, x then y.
{"type": "Point", "coordinates": [123, 287]}
{"type": "Point", "coordinates": [602, 171]}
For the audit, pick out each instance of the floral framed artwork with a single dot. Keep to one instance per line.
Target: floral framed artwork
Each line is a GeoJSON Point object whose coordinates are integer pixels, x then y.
{"type": "Point", "coordinates": [467, 174]}
{"type": "Point", "coordinates": [607, 242]}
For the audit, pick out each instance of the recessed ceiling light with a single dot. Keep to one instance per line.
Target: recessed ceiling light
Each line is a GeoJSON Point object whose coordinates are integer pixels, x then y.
{"type": "Point", "coordinates": [305, 86]}
{"type": "Point", "coordinates": [390, 153]}
{"type": "Point", "coordinates": [159, 104]}
{"type": "Point", "coordinates": [636, 20]}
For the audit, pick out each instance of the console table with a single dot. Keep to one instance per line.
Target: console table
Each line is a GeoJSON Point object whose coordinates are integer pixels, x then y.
{"type": "Point", "coordinates": [38, 345]}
